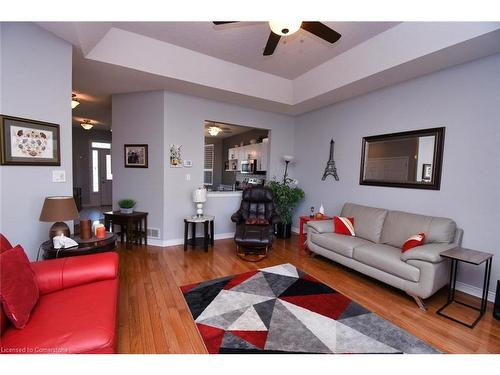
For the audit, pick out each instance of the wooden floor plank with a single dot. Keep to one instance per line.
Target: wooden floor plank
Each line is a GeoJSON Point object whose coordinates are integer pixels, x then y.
{"type": "Point", "coordinates": [154, 318]}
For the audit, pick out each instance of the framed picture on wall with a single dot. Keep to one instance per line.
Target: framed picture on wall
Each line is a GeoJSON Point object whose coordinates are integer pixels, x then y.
{"type": "Point", "coordinates": [426, 172]}
{"type": "Point", "coordinates": [136, 156]}
{"type": "Point", "coordinates": [28, 142]}
{"type": "Point", "coordinates": [175, 156]}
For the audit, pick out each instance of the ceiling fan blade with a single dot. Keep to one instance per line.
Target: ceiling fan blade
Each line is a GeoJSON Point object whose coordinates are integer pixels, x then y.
{"type": "Point", "coordinates": [321, 30]}
{"type": "Point", "coordinates": [223, 22]}
{"type": "Point", "coordinates": [272, 43]}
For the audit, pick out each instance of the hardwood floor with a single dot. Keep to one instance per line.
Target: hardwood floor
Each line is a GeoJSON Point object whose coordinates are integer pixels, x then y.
{"type": "Point", "coordinates": [154, 318]}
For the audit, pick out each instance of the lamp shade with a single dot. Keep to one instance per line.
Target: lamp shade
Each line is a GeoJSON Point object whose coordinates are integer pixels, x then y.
{"type": "Point", "coordinates": [58, 209]}
{"type": "Point", "coordinates": [200, 195]}
{"type": "Point", "coordinates": [288, 158]}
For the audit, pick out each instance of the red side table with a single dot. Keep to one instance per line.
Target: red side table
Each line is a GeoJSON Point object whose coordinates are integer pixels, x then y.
{"type": "Point", "coordinates": [302, 235]}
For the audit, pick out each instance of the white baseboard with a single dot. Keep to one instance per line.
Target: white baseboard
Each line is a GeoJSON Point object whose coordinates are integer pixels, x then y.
{"type": "Point", "coordinates": [295, 230]}
{"type": "Point", "coordinates": [475, 291]}
{"type": "Point", "coordinates": [180, 241]}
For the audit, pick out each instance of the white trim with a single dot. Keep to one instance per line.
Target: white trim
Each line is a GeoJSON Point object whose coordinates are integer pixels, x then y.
{"type": "Point", "coordinates": [295, 230]}
{"type": "Point", "coordinates": [223, 194]}
{"type": "Point", "coordinates": [222, 236]}
{"type": "Point", "coordinates": [473, 290]}
{"type": "Point", "coordinates": [180, 241]}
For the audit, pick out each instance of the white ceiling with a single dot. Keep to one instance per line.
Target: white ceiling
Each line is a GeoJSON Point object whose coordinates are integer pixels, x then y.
{"type": "Point", "coordinates": [243, 42]}
{"type": "Point", "coordinates": [225, 63]}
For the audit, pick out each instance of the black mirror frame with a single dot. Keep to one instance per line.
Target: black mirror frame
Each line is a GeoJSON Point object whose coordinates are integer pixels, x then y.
{"type": "Point", "coordinates": [437, 160]}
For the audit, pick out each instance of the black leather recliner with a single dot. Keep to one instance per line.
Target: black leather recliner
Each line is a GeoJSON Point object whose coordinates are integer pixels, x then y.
{"type": "Point", "coordinates": [255, 221]}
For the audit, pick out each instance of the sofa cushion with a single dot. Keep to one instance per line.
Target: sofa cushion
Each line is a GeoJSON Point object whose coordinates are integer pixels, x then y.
{"type": "Point", "coordinates": [388, 259]}
{"type": "Point", "coordinates": [18, 288]}
{"type": "Point", "coordinates": [4, 244]}
{"type": "Point", "coordinates": [339, 243]}
{"type": "Point", "coordinates": [74, 320]}
{"type": "Point", "coordinates": [368, 221]}
{"type": "Point", "coordinates": [400, 225]}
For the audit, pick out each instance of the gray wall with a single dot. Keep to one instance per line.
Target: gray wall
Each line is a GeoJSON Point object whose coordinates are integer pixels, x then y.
{"type": "Point", "coordinates": [464, 99]}
{"type": "Point", "coordinates": [164, 118]}
{"type": "Point", "coordinates": [35, 81]}
{"type": "Point", "coordinates": [184, 118]}
{"type": "Point", "coordinates": [81, 158]}
{"type": "Point", "coordinates": [139, 118]}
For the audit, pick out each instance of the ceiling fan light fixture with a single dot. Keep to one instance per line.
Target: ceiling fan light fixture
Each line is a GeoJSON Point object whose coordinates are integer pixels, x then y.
{"type": "Point", "coordinates": [87, 125]}
{"type": "Point", "coordinates": [285, 27]}
{"type": "Point", "coordinates": [214, 130]}
{"type": "Point", "coordinates": [74, 101]}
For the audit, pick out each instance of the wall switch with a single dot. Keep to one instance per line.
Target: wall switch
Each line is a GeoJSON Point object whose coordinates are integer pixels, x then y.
{"type": "Point", "coordinates": [59, 176]}
{"type": "Point", "coordinates": [188, 177]}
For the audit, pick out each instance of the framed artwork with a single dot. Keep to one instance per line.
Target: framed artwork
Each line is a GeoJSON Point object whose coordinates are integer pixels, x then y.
{"type": "Point", "coordinates": [426, 172]}
{"type": "Point", "coordinates": [175, 156]}
{"type": "Point", "coordinates": [136, 156]}
{"type": "Point", "coordinates": [29, 142]}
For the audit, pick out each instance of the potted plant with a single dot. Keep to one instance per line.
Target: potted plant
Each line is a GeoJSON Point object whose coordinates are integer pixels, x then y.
{"type": "Point", "coordinates": [286, 196]}
{"type": "Point", "coordinates": [126, 205]}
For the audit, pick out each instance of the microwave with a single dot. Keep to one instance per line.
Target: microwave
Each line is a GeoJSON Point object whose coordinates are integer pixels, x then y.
{"type": "Point", "coordinates": [248, 166]}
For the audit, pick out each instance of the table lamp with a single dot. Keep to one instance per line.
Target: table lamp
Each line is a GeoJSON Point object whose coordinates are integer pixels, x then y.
{"type": "Point", "coordinates": [200, 197]}
{"type": "Point", "coordinates": [58, 209]}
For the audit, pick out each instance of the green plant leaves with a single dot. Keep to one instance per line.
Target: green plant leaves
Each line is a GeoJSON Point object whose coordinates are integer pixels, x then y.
{"type": "Point", "coordinates": [286, 197]}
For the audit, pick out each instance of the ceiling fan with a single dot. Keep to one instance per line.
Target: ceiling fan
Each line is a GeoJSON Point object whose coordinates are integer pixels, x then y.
{"type": "Point", "coordinates": [279, 29]}
{"type": "Point", "coordinates": [214, 129]}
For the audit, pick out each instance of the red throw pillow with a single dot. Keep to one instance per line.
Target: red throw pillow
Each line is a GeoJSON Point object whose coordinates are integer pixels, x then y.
{"type": "Point", "coordinates": [344, 225]}
{"type": "Point", "coordinates": [413, 241]}
{"type": "Point", "coordinates": [4, 244]}
{"type": "Point", "coordinates": [18, 288]}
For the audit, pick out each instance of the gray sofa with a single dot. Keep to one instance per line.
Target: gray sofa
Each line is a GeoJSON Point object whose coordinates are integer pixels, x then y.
{"type": "Point", "coordinates": [376, 249]}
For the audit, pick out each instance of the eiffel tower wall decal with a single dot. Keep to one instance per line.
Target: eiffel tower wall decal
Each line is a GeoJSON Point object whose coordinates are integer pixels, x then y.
{"type": "Point", "coordinates": [330, 166]}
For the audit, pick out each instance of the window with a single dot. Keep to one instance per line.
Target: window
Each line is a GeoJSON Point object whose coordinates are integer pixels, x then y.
{"type": "Point", "coordinates": [208, 168]}
{"type": "Point", "coordinates": [95, 171]}
{"type": "Point", "coordinates": [102, 145]}
{"type": "Point", "coordinates": [109, 175]}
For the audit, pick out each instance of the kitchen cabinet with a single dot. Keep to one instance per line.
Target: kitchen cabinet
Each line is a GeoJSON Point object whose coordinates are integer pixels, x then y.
{"type": "Point", "coordinates": [264, 156]}
{"type": "Point", "coordinates": [256, 151]}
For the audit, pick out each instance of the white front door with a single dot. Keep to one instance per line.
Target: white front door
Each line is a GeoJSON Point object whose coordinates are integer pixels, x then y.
{"type": "Point", "coordinates": [102, 179]}
{"type": "Point", "coordinates": [106, 177]}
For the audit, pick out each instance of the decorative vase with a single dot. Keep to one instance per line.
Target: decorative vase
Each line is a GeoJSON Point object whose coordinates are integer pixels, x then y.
{"type": "Point", "coordinates": [126, 210]}
{"type": "Point", "coordinates": [284, 230]}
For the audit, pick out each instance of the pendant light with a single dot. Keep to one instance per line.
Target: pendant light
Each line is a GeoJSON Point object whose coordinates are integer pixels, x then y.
{"type": "Point", "coordinates": [87, 125]}
{"type": "Point", "coordinates": [74, 101]}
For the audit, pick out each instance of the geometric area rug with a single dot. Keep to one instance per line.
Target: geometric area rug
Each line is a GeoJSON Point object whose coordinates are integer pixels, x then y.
{"type": "Point", "coordinates": [281, 309]}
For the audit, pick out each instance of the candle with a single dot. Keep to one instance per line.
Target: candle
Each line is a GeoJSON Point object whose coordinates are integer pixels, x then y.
{"type": "Point", "coordinates": [85, 230]}
{"type": "Point", "coordinates": [101, 232]}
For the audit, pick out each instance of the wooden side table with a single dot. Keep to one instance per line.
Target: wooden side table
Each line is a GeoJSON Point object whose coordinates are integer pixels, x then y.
{"type": "Point", "coordinates": [134, 226]}
{"type": "Point", "coordinates": [303, 235]}
{"type": "Point", "coordinates": [90, 246]}
{"type": "Point", "coordinates": [460, 254]}
{"type": "Point", "coordinates": [208, 222]}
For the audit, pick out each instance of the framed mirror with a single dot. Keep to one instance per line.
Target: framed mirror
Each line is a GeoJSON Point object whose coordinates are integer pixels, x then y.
{"type": "Point", "coordinates": [410, 159]}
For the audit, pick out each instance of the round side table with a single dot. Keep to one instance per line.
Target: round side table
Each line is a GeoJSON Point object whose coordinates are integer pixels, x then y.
{"type": "Point", "coordinates": [90, 246]}
{"type": "Point", "coordinates": [208, 222]}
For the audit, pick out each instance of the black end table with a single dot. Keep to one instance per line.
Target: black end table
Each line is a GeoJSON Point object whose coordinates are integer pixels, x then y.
{"type": "Point", "coordinates": [134, 226]}
{"type": "Point", "coordinates": [91, 246]}
{"type": "Point", "coordinates": [208, 222]}
{"type": "Point", "coordinates": [460, 254]}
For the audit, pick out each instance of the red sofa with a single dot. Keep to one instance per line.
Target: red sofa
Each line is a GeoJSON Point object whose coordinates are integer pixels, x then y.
{"type": "Point", "coordinates": [76, 311]}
